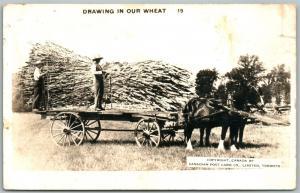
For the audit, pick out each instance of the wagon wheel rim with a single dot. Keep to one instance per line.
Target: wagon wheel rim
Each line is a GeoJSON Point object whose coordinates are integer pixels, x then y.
{"type": "Point", "coordinates": [67, 129]}
{"type": "Point", "coordinates": [147, 133]}
{"type": "Point", "coordinates": [92, 130]}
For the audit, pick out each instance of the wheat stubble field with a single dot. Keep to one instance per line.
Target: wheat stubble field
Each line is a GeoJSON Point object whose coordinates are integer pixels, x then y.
{"type": "Point", "coordinates": [34, 149]}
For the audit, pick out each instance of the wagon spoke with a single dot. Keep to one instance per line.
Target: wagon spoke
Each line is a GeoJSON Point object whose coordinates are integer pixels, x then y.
{"type": "Point", "coordinates": [165, 136]}
{"type": "Point", "coordinates": [152, 126]}
{"type": "Point", "coordinates": [171, 138]}
{"type": "Point", "coordinates": [153, 132]}
{"type": "Point", "coordinates": [58, 134]}
{"type": "Point", "coordinates": [85, 137]}
{"type": "Point", "coordinates": [143, 141]}
{"type": "Point", "coordinates": [73, 139]}
{"type": "Point", "coordinates": [77, 136]}
{"type": "Point", "coordinates": [75, 126]}
{"type": "Point", "coordinates": [76, 131]}
{"type": "Point", "coordinates": [64, 118]}
{"type": "Point", "coordinates": [60, 139]}
{"type": "Point", "coordinates": [93, 129]}
{"type": "Point", "coordinates": [61, 126]}
{"type": "Point", "coordinates": [140, 138]}
{"type": "Point", "coordinates": [57, 129]}
{"type": "Point", "coordinates": [89, 134]}
{"type": "Point", "coordinates": [69, 140]}
{"type": "Point", "coordinates": [154, 136]}
{"type": "Point", "coordinates": [145, 126]}
{"type": "Point", "coordinates": [153, 141]}
{"type": "Point", "coordinates": [79, 133]}
{"type": "Point", "coordinates": [90, 130]}
{"type": "Point", "coordinates": [89, 123]}
{"type": "Point", "coordinates": [72, 123]}
{"type": "Point", "coordinates": [64, 140]}
{"type": "Point", "coordinates": [69, 121]}
{"type": "Point", "coordinates": [150, 142]}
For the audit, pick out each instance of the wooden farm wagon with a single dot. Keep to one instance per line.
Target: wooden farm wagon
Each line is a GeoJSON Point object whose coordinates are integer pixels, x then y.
{"type": "Point", "coordinates": [73, 127]}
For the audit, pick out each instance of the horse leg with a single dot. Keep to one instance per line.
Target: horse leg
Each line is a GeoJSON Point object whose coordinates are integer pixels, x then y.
{"type": "Point", "coordinates": [208, 130]}
{"type": "Point", "coordinates": [223, 135]}
{"type": "Point", "coordinates": [241, 134]}
{"type": "Point", "coordinates": [188, 135]}
{"type": "Point", "coordinates": [201, 135]}
{"type": "Point", "coordinates": [233, 137]}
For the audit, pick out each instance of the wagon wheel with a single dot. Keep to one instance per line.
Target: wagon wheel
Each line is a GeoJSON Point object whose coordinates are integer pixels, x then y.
{"type": "Point", "coordinates": [171, 136]}
{"type": "Point", "coordinates": [92, 130]}
{"type": "Point", "coordinates": [168, 136]}
{"type": "Point", "coordinates": [147, 133]}
{"type": "Point", "coordinates": [67, 129]}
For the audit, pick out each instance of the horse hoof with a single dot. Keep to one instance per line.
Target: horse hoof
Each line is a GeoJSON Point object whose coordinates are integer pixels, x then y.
{"type": "Point", "coordinates": [242, 145]}
{"type": "Point", "coordinates": [208, 145]}
{"type": "Point", "coordinates": [221, 147]}
{"type": "Point", "coordinates": [189, 149]}
{"type": "Point", "coordinates": [233, 148]}
{"type": "Point", "coordinates": [200, 145]}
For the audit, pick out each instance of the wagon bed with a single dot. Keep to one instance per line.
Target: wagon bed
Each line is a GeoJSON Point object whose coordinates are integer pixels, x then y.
{"type": "Point", "coordinates": [126, 115]}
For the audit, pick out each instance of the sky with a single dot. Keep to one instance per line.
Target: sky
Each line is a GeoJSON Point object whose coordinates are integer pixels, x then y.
{"type": "Point", "coordinates": [202, 36]}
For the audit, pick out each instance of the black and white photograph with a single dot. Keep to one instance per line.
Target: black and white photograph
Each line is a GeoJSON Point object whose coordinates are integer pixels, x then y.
{"type": "Point", "coordinates": [149, 96]}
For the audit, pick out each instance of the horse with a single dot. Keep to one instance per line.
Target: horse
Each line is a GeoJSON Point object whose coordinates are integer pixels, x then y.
{"type": "Point", "coordinates": [206, 114]}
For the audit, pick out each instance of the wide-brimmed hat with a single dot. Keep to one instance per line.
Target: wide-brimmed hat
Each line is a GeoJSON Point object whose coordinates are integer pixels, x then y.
{"type": "Point", "coordinates": [97, 57]}
{"type": "Point", "coordinates": [36, 62]}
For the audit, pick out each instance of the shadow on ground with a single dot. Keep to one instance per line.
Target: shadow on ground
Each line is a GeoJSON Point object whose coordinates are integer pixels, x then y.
{"type": "Point", "coordinates": [114, 142]}
{"type": "Point", "coordinates": [180, 144]}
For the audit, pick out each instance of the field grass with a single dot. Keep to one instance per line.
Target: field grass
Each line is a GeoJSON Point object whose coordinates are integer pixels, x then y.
{"type": "Point", "coordinates": [34, 149]}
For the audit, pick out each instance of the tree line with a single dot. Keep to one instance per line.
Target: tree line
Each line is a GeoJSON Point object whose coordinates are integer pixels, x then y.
{"type": "Point", "coordinates": [247, 84]}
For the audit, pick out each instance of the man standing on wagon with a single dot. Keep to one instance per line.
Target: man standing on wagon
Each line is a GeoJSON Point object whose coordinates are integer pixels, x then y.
{"type": "Point", "coordinates": [38, 102]}
{"type": "Point", "coordinates": [98, 82]}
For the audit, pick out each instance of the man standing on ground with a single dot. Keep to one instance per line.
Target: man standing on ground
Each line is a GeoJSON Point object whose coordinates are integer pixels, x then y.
{"type": "Point", "coordinates": [98, 82]}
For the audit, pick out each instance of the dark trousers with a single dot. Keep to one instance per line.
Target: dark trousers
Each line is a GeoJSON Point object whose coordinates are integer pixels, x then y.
{"type": "Point", "coordinates": [99, 91]}
{"type": "Point", "coordinates": [38, 94]}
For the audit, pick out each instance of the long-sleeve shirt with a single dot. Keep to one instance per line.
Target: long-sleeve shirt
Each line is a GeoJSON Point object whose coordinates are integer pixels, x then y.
{"type": "Point", "coordinates": [96, 69]}
{"type": "Point", "coordinates": [36, 74]}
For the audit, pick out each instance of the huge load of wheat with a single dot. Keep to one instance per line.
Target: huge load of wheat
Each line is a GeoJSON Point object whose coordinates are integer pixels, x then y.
{"type": "Point", "coordinates": [70, 82]}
